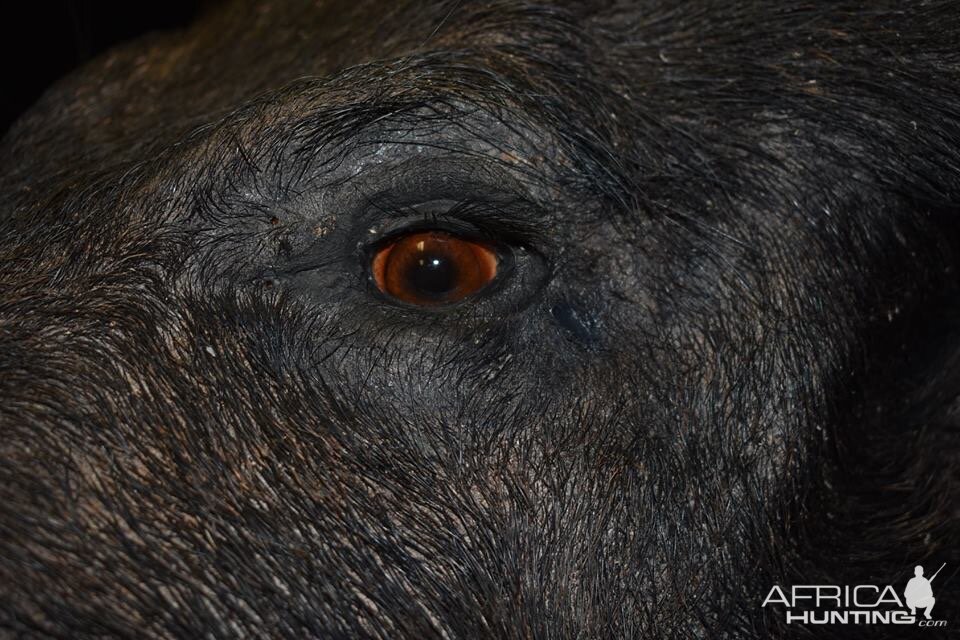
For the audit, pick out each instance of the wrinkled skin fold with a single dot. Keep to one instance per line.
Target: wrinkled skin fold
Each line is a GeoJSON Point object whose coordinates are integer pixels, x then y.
{"type": "Point", "coordinates": [724, 357]}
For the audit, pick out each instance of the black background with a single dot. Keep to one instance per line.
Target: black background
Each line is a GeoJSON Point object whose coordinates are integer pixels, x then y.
{"type": "Point", "coordinates": [44, 40]}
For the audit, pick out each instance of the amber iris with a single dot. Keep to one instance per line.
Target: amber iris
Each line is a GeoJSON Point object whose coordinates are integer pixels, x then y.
{"type": "Point", "coordinates": [433, 268]}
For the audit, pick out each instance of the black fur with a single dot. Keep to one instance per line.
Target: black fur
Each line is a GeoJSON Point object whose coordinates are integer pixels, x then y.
{"type": "Point", "coordinates": [726, 356]}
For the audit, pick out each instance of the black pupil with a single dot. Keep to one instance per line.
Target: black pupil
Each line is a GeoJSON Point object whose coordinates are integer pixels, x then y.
{"type": "Point", "coordinates": [432, 274]}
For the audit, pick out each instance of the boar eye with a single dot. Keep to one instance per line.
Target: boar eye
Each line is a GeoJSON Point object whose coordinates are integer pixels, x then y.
{"type": "Point", "coordinates": [431, 268]}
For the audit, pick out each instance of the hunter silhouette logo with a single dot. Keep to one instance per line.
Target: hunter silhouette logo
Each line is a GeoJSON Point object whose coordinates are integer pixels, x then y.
{"type": "Point", "coordinates": [919, 593]}
{"type": "Point", "coordinates": [815, 604]}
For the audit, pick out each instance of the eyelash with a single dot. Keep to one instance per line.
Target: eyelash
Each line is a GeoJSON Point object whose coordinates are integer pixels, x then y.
{"type": "Point", "coordinates": [495, 223]}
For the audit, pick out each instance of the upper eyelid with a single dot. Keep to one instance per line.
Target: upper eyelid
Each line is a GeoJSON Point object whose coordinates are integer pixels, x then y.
{"type": "Point", "coordinates": [444, 222]}
{"type": "Point", "coordinates": [467, 209]}
{"type": "Point", "coordinates": [498, 221]}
